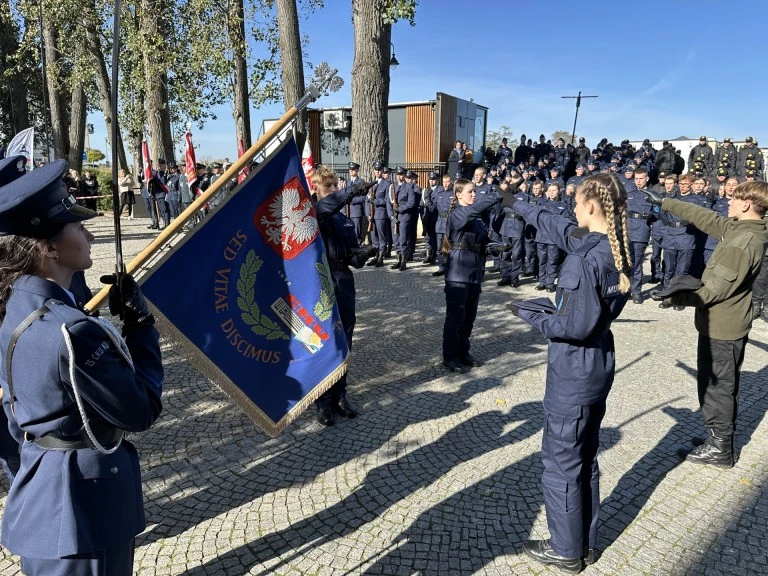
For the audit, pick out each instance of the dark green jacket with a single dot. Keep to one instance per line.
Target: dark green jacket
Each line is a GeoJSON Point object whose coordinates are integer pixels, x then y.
{"type": "Point", "coordinates": [724, 303]}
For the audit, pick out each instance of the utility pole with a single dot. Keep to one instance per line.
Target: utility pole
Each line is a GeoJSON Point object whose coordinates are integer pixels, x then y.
{"type": "Point", "coordinates": [578, 103]}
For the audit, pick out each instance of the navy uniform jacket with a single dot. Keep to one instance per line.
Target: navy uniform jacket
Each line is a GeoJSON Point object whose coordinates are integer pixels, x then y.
{"type": "Point", "coordinates": [65, 502]}
{"type": "Point", "coordinates": [468, 236]}
{"type": "Point", "coordinates": [721, 207]}
{"type": "Point", "coordinates": [417, 192]}
{"type": "Point", "coordinates": [581, 358]}
{"type": "Point", "coordinates": [380, 199]}
{"type": "Point", "coordinates": [339, 238]}
{"type": "Point", "coordinates": [678, 234]}
{"type": "Point", "coordinates": [557, 207]}
{"type": "Point", "coordinates": [406, 198]}
{"type": "Point", "coordinates": [639, 216]}
{"type": "Point", "coordinates": [357, 206]}
{"type": "Point", "coordinates": [575, 180]}
{"type": "Point", "coordinates": [513, 224]}
{"type": "Point", "coordinates": [442, 199]}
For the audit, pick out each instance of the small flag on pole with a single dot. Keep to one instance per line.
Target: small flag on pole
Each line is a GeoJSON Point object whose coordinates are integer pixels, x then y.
{"type": "Point", "coordinates": [258, 313]}
{"type": "Point", "coordinates": [23, 143]}
{"type": "Point", "coordinates": [145, 161]}
{"type": "Point", "coordinates": [190, 169]}
{"type": "Point", "coordinates": [307, 162]}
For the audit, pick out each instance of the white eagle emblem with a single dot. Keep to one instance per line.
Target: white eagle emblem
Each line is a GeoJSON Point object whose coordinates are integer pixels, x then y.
{"type": "Point", "coordinates": [290, 220]}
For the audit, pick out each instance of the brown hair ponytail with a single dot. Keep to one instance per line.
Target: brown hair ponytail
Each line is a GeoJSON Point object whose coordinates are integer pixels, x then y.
{"type": "Point", "coordinates": [606, 189]}
{"type": "Point", "coordinates": [19, 255]}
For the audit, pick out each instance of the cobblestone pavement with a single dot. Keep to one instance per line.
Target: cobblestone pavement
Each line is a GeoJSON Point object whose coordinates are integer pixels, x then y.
{"type": "Point", "coordinates": [440, 474]}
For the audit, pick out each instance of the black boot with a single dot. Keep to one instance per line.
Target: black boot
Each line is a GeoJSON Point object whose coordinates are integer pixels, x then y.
{"type": "Point", "coordinates": [380, 261]}
{"type": "Point", "coordinates": [375, 260]}
{"type": "Point", "coordinates": [717, 450]}
{"type": "Point", "coordinates": [428, 258]}
{"type": "Point", "coordinates": [757, 310]}
{"type": "Point", "coordinates": [388, 252]}
{"type": "Point", "coordinates": [325, 414]}
{"type": "Point", "coordinates": [346, 409]}
{"type": "Point", "coordinates": [396, 265]}
{"type": "Point", "coordinates": [541, 551]}
{"type": "Point", "coordinates": [403, 260]}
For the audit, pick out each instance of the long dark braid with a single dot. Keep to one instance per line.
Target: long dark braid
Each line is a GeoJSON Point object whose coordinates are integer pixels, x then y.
{"type": "Point", "coordinates": [610, 194]}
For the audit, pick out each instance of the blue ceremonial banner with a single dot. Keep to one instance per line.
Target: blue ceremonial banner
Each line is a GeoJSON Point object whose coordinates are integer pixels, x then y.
{"type": "Point", "coordinates": [248, 295]}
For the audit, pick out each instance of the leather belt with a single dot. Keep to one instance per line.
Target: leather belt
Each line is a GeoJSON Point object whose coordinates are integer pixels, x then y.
{"type": "Point", "coordinates": [677, 224]}
{"type": "Point", "coordinates": [638, 215]}
{"type": "Point", "coordinates": [470, 248]}
{"type": "Point", "coordinates": [78, 441]}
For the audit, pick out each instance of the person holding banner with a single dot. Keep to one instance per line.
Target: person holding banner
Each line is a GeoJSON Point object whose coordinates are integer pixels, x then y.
{"type": "Point", "coordinates": [72, 387]}
{"type": "Point", "coordinates": [342, 250]}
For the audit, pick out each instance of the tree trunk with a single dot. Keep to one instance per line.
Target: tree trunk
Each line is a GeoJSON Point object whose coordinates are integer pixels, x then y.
{"type": "Point", "coordinates": [105, 90]}
{"type": "Point", "coordinates": [370, 85]}
{"type": "Point", "coordinates": [292, 63]}
{"type": "Point", "coordinates": [241, 111]}
{"type": "Point", "coordinates": [15, 106]}
{"type": "Point", "coordinates": [77, 128]}
{"type": "Point", "coordinates": [56, 102]}
{"type": "Point", "coordinates": [156, 80]}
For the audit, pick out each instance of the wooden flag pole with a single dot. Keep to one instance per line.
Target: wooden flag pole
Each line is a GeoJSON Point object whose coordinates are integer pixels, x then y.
{"type": "Point", "coordinates": [326, 80]}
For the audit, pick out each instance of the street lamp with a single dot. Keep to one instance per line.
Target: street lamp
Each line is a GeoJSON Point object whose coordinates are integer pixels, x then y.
{"type": "Point", "coordinates": [393, 63]}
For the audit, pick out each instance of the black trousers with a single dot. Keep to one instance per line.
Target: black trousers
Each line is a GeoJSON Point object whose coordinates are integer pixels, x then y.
{"type": "Point", "coordinates": [760, 287]}
{"type": "Point", "coordinates": [461, 301]}
{"type": "Point", "coordinates": [344, 288]}
{"type": "Point", "coordinates": [719, 367]}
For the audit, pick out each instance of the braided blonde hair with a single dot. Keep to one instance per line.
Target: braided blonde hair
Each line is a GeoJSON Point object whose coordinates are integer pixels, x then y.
{"type": "Point", "coordinates": [608, 192]}
{"type": "Point", "coordinates": [458, 187]}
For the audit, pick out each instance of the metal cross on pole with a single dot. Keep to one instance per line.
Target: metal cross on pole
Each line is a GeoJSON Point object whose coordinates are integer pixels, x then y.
{"type": "Point", "coordinates": [578, 103]}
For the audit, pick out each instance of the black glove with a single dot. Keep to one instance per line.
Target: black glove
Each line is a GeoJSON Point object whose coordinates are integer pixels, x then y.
{"type": "Point", "coordinates": [654, 197]}
{"type": "Point", "coordinates": [359, 256]}
{"type": "Point", "coordinates": [126, 301]}
{"type": "Point", "coordinates": [497, 247]}
{"type": "Point", "coordinates": [360, 188]}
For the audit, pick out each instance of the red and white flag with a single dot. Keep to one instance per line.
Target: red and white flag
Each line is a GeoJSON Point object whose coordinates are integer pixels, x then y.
{"type": "Point", "coordinates": [307, 162]}
{"type": "Point", "coordinates": [191, 164]}
{"type": "Point", "coordinates": [145, 161]}
{"type": "Point", "coordinates": [240, 151]}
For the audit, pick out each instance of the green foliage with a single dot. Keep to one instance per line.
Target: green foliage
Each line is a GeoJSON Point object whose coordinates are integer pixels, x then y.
{"type": "Point", "coordinates": [92, 155]}
{"type": "Point", "coordinates": [400, 10]}
{"type": "Point", "coordinates": [104, 178]}
{"type": "Point", "coordinates": [565, 135]}
{"type": "Point", "coordinates": [493, 138]}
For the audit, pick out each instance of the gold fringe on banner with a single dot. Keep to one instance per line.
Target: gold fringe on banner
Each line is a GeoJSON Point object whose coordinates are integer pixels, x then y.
{"type": "Point", "coordinates": [200, 362]}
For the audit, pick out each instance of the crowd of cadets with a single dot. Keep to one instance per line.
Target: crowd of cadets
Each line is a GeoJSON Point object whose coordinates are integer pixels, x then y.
{"type": "Point", "coordinates": [550, 174]}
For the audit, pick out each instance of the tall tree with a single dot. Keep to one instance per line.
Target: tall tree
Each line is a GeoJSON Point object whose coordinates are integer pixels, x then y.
{"type": "Point", "coordinates": [372, 21]}
{"type": "Point", "coordinates": [77, 127]}
{"type": "Point", "coordinates": [154, 27]}
{"type": "Point", "coordinates": [54, 86]}
{"type": "Point", "coordinates": [292, 63]}
{"type": "Point", "coordinates": [14, 109]}
{"type": "Point", "coordinates": [241, 107]}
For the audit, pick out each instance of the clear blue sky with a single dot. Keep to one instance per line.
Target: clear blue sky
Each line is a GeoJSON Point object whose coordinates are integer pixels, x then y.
{"type": "Point", "coordinates": [661, 68]}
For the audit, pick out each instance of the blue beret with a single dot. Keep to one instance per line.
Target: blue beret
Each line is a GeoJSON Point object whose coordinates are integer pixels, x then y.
{"type": "Point", "coordinates": [38, 204]}
{"type": "Point", "coordinates": [12, 168]}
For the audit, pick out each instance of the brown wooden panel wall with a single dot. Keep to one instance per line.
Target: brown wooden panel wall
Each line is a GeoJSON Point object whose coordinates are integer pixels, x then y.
{"type": "Point", "coordinates": [313, 117]}
{"type": "Point", "coordinates": [446, 126]}
{"type": "Point", "coordinates": [420, 136]}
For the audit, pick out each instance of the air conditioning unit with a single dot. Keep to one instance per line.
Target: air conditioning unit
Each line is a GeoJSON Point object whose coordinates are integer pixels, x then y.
{"type": "Point", "coordinates": [336, 120]}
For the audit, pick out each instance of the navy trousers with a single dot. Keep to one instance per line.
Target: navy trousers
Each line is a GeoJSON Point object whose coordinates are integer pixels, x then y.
{"type": "Point", "coordinates": [461, 301]}
{"type": "Point", "coordinates": [550, 257]}
{"type": "Point", "coordinates": [676, 263]}
{"type": "Point", "coordinates": [344, 285]}
{"type": "Point", "coordinates": [571, 478]}
{"type": "Point", "coordinates": [116, 561]}
{"type": "Point", "coordinates": [657, 266]}
{"type": "Point", "coordinates": [638, 254]}
{"type": "Point", "coordinates": [511, 262]}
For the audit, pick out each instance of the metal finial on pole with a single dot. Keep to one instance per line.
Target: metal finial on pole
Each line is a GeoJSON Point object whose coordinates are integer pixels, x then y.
{"type": "Point", "coordinates": [578, 103]}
